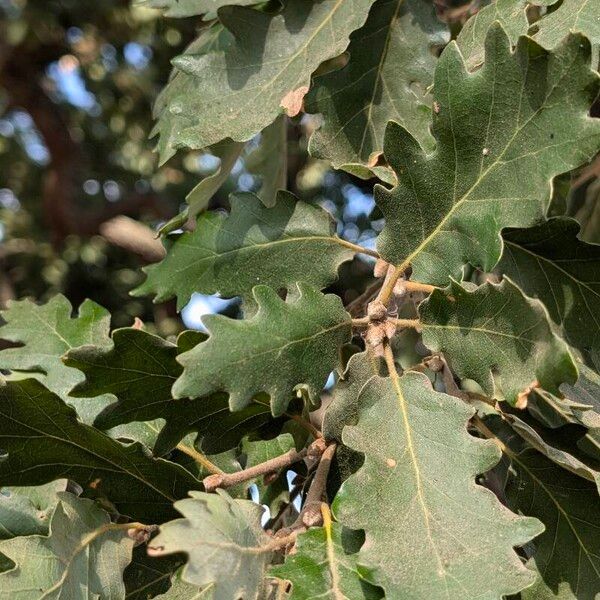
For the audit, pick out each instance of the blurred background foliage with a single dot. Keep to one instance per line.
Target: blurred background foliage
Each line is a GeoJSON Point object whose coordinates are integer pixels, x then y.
{"type": "Point", "coordinates": [77, 83]}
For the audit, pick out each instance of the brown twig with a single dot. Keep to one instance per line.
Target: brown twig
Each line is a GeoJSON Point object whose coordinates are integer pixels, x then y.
{"type": "Point", "coordinates": [225, 480]}
{"type": "Point", "coordinates": [311, 515]}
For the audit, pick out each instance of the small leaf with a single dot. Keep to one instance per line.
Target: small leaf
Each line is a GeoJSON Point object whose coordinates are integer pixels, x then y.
{"type": "Point", "coordinates": [224, 541]}
{"type": "Point", "coordinates": [549, 262]}
{"type": "Point", "coordinates": [284, 347]}
{"type": "Point", "coordinates": [503, 132]}
{"type": "Point", "coordinates": [322, 567]}
{"type": "Point", "coordinates": [45, 441]}
{"type": "Point", "coordinates": [140, 371]}
{"type": "Point", "coordinates": [27, 511]}
{"type": "Point", "coordinates": [386, 79]}
{"type": "Point", "coordinates": [248, 70]}
{"type": "Point", "coordinates": [227, 254]}
{"type": "Point", "coordinates": [567, 553]}
{"type": "Point", "coordinates": [431, 532]}
{"type": "Point", "coordinates": [81, 553]}
{"type": "Point", "coordinates": [47, 332]}
{"type": "Point", "coordinates": [498, 337]}
{"type": "Point", "coordinates": [198, 199]}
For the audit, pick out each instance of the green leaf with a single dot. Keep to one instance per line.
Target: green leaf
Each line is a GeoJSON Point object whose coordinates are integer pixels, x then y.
{"type": "Point", "coordinates": [82, 557]}
{"type": "Point", "coordinates": [551, 263]}
{"type": "Point", "coordinates": [498, 337]}
{"type": "Point", "coordinates": [567, 553]}
{"type": "Point", "coordinates": [224, 541]}
{"type": "Point", "coordinates": [26, 511]}
{"type": "Point", "coordinates": [386, 79]}
{"type": "Point", "coordinates": [322, 567]}
{"type": "Point", "coordinates": [269, 161]}
{"type": "Point", "coordinates": [558, 455]}
{"type": "Point", "coordinates": [45, 441]}
{"type": "Point", "coordinates": [572, 15]}
{"type": "Point", "coordinates": [346, 400]}
{"type": "Point", "coordinates": [230, 254]}
{"type": "Point", "coordinates": [48, 332]}
{"type": "Point", "coordinates": [503, 132]}
{"type": "Point", "coordinates": [190, 8]}
{"type": "Point", "coordinates": [509, 13]}
{"type": "Point", "coordinates": [286, 346]}
{"type": "Point", "coordinates": [171, 121]}
{"type": "Point", "coordinates": [198, 199]}
{"type": "Point", "coordinates": [256, 69]}
{"type": "Point", "coordinates": [430, 531]}
{"type": "Point", "coordinates": [140, 370]}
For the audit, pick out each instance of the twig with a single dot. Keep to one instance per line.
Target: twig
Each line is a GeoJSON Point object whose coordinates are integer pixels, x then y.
{"type": "Point", "coordinates": [199, 458]}
{"type": "Point", "coordinates": [356, 305]}
{"type": "Point", "coordinates": [385, 293]}
{"type": "Point", "coordinates": [310, 515]}
{"type": "Point", "coordinates": [415, 286]}
{"type": "Point", "coordinates": [414, 323]}
{"type": "Point", "coordinates": [225, 480]}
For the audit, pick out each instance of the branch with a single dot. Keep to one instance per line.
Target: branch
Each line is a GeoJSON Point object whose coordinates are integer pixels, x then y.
{"type": "Point", "coordinates": [311, 514]}
{"type": "Point", "coordinates": [134, 237]}
{"type": "Point", "coordinates": [225, 480]}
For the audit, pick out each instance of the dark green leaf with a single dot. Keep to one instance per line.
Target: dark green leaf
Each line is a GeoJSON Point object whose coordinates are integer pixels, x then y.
{"type": "Point", "coordinates": [386, 79]}
{"type": "Point", "coordinates": [230, 254]}
{"type": "Point", "coordinates": [285, 347]}
{"type": "Point", "coordinates": [45, 441]}
{"type": "Point", "coordinates": [498, 337]}
{"type": "Point", "coordinates": [503, 132]}
{"type": "Point", "coordinates": [259, 67]}
{"type": "Point", "coordinates": [140, 370]}
{"type": "Point", "coordinates": [551, 263]}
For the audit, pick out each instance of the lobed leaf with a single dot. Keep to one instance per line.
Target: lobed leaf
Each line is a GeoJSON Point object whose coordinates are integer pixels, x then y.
{"type": "Point", "coordinates": [225, 544]}
{"type": "Point", "coordinates": [45, 441]}
{"type": "Point", "coordinates": [49, 331]}
{"type": "Point", "coordinates": [498, 337]}
{"type": "Point", "coordinates": [566, 557]}
{"type": "Point", "coordinates": [259, 68]}
{"type": "Point", "coordinates": [230, 254]}
{"type": "Point", "coordinates": [386, 79]}
{"type": "Point", "coordinates": [550, 262]}
{"type": "Point", "coordinates": [285, 347]}
{"type": "Point", "coordinates": [431, 532]}
{"type": "Point", "coordinates": [503, 132]}
{"type": "Point", "coordinates": [82, 556]}
{"type": "Point", "coordinates": [140, 371]}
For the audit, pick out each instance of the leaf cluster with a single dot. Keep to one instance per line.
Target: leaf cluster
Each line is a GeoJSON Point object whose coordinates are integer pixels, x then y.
{"type": "Point", "coordinates": [437, 436]}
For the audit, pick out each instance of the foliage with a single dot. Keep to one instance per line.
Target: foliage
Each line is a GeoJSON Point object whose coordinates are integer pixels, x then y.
{"type": "Point", "coordinates": [430, 432]}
